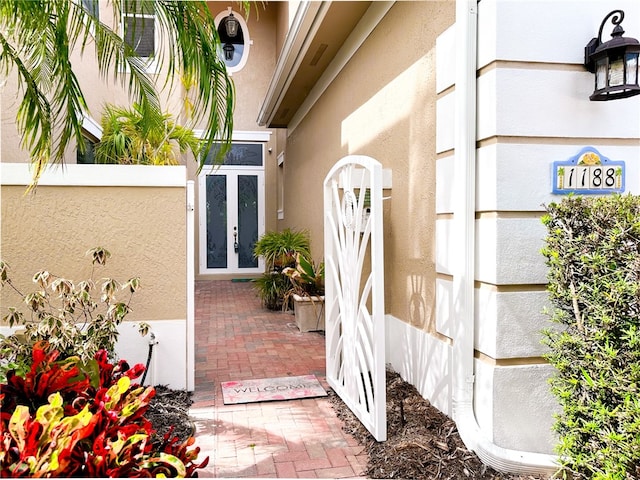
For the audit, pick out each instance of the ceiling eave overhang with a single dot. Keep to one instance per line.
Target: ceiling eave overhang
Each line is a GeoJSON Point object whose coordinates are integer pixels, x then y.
{"type": "Point", "coordinates": [308, 18]}
{"type": "Point", "coordinates": [321, 41]}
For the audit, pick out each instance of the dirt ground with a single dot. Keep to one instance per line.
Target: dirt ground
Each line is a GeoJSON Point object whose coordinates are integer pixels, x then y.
{"type": "Point", "coordinates": [422, 442]}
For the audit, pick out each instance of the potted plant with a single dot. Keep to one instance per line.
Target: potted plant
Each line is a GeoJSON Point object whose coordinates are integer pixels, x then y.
{"type": "Point", "coordinates": [279, 250]}
{"type": "Point", "coordinates": [307, 292]}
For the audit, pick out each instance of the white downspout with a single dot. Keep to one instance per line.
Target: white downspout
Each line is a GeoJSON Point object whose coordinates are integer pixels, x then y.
{"type": "Point", "coordinates": [499, 458]}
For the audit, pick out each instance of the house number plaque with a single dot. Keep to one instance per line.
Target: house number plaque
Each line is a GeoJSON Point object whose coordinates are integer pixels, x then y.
{"type": "Point", "coordinates": [588, 173]}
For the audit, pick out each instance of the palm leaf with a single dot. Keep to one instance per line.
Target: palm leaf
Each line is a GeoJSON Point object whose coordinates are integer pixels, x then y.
{"type": "Point", "coordinates": [38, 36]}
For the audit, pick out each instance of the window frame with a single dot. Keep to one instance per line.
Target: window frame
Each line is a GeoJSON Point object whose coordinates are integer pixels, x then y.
{"type": "Point", "coordinates": [151, 63]}
{"type": "Point", "coordinates": [92, 133]}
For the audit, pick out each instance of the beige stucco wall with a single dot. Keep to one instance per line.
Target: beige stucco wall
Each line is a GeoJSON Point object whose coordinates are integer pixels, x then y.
{"type": "Point", "coordinates": [143, 228]}
{"type": "Point", "coordinates": [382, 105]}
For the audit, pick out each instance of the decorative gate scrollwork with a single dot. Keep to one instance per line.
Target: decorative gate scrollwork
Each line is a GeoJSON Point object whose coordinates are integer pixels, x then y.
{"type": "Point", "coordinates": [354, 291]}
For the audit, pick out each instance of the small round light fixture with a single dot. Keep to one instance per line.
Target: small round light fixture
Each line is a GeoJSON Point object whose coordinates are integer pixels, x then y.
{"type": "Point", "coordinates": [231, 24]}
{"type": "Point", "coordinates": [615, 63]}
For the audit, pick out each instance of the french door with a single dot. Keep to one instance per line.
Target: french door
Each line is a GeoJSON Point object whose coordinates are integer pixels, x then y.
{"type": "Point", "coordinates": [231, 220]}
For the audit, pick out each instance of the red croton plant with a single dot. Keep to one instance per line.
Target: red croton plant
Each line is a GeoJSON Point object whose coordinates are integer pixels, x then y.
{"type": "Point", "coordinates": [66, 418]}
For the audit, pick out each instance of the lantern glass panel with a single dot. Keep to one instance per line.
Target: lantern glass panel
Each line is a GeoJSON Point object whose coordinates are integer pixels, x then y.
{"type": "Point", "coordinates": [632, 68]}
{"type": "Point", "coordinates": [601, 73]}
{"type": "Point", "coordinates": [231, 24]}
{"type": "Point", "coordinates": [616, 72]}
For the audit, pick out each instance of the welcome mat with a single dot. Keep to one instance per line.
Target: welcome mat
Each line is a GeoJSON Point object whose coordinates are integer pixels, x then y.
{"type": "Point", "coordinates": [271, 389]}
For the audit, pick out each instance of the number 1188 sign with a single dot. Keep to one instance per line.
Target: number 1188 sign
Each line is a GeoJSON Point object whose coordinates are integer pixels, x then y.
{"type": "Point", "coordinates": [588, 172]}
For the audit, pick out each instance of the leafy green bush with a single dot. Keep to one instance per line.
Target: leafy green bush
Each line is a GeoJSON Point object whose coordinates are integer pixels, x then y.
{"type": "Point", "coordinates": [593, 251]}
{"type": "Point", "coordinates": [69, 418]}
{"type": "Point", "coordinates": [279, 250]}
{"type": "Point", "coordinates": [66, 314]}
{"type": "Point", "coordinates": [272, 288]}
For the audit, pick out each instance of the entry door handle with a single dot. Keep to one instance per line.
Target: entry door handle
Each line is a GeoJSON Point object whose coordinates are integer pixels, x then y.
{"type": "Point", "coordinates": [235, 239]}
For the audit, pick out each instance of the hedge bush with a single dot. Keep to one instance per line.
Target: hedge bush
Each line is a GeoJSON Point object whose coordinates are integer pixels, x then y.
{"type": "Point", "coordinates": [593, 251]}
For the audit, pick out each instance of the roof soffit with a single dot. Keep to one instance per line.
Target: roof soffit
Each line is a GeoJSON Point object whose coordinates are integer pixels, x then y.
{"type": "Point", "coordinates": [317, 34]}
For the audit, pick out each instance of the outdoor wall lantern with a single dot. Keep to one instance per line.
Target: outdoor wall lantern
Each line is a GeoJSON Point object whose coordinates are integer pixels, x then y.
{"type": "Point", "coordinates": [229, 50]}
{"type": "Point", "coordinates": [231, 24]}
{"type": "Point", "coordinates": [615, 63]}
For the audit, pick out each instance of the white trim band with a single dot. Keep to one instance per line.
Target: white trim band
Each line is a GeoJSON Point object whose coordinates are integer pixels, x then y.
{"type": "Point", "coordinates": [96, 175]}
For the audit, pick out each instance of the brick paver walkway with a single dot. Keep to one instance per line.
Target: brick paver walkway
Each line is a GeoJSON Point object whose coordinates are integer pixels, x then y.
{"type": "Point", "coordinates": [238, 339]}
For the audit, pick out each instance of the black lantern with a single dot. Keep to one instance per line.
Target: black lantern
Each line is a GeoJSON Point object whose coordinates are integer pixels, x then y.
{"type": "Point", "coordinates": [231, 24]}
{"type": "Point", "coordinates": [615, 63]}
{"type": "Point", "coordinates": [229, 50]}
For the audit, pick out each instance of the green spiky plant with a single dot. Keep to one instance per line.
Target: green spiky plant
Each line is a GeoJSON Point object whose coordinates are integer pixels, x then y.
{"type": "Point", "coordinates": [272, 288]}
{"type": "Point", "coordinates": [127, 139]}
{"type": "Point", "coordinates": [279, 250]}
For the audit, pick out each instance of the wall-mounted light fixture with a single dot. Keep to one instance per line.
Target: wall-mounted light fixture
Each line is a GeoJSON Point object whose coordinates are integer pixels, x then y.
{"type": "Point", "coordinates": [615, 63]}
{"type": "Point", "coordinates": [229, 50]}
{"type": "Point", "coordinates": [231, 24]}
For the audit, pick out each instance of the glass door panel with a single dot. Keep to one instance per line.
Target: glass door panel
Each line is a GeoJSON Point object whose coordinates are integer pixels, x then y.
{"type": "Point", "coordinates": [247, 220]}
{"type": "Point", "coordinates": [216, 211]}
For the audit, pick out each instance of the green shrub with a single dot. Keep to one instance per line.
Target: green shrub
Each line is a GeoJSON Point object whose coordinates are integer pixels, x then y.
{"type": "Point", "coordinates": [74, 318]}
{"type": "Point", "coordinates": [69, 418]}
{"type": "Point", "coordinates": [593, 251]}
{"type": "Point", "coordinates": [272, 288]}
{"type": "Point", "coordinates": [279, 249]}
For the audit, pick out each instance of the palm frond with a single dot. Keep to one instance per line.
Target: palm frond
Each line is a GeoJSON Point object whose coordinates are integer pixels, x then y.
{"type": "Point", "coordinates": [38, 37]}
{"type": "Point", "coordinates": [34, 112]}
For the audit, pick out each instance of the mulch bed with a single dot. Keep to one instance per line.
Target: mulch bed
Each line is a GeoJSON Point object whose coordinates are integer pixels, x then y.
{"type": "Point", "coordinates": [170, 408]}
{"type": "Point", "coordinates": [422, 442]}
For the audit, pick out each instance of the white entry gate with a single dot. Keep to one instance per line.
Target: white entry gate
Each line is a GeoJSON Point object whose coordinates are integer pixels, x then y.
{"type": "Point", "coordinates": [354, 293]}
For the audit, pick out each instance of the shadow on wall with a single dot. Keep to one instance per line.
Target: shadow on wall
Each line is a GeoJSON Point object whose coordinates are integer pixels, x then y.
{"type": "Point", "coordinates": [417, 303]}
{"type": "Point", "coordinates": [415, 352]}
{"type": "Point", "coordinates": [423, 361]}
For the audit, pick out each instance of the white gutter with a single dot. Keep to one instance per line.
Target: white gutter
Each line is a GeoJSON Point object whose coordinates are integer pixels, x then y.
{"type": "Point", "coordinates": [307, 20]}
{"type": "Point", "coordinates": [499, 458]}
